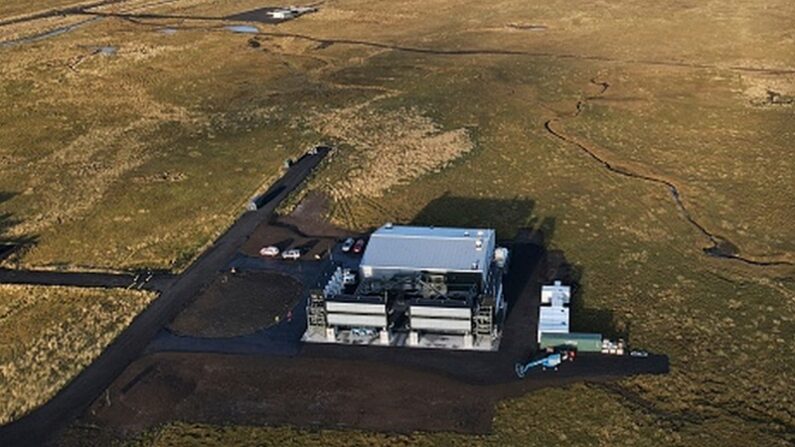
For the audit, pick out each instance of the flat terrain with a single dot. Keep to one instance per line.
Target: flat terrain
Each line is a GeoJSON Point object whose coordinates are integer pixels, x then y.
{"type": "Point", "coordinates": [49, 334]}
{"type": "Point", "coordinates": [238, 304]}
{"type": "Point", "coordinates": [286, 237]}
{"type": "Point", "coordinates": [279, 381]}
{"type": "Point", "coordinates": [635, 135]}
{"type": "Point", "coordinates": [73, 399]}
{"type": "Point", "coordinates": [313, 392]}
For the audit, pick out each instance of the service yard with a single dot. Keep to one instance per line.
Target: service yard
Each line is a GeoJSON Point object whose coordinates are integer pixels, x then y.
{"type": "Point", "coordinates": [642, 151]}
{"type": "Point", "coordinates": [256, 379]}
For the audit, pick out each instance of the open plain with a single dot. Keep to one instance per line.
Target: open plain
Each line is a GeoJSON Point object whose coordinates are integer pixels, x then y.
{"type": "Point", "coordinates": [651, 143]}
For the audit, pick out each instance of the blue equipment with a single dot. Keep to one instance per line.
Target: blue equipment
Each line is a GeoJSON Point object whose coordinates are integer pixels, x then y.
{"type": "Point", "coordinates": [550, 361]}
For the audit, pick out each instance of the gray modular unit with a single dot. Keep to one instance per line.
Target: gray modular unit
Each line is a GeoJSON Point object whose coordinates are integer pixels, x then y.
{"type": "Point", "coordinates": [357, 320]}
{"type": "Point", "coordinates": [441, 325]}
{"type": "Point", "coordinates": [355, 308]}
{"type": "Point", "coordinates": [445, 312]}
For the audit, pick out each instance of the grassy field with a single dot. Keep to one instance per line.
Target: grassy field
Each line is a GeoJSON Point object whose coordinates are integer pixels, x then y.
{"type": "Point", "coordinates": [439, 112]}
{"type": "Point", "coordinates": [140, 158]}
{"type": "Point", "coordinates": [12, 9]}
{"type": "Point", "coordinates": [50, 333]}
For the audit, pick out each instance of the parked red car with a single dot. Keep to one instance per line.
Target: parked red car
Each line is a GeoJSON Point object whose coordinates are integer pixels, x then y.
{"type": "Point", "coordinates": [358, 247]}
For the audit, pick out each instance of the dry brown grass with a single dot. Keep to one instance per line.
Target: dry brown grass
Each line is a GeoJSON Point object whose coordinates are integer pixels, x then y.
{"type": "Point", "coordinates": [20, 8]}
{"type": "Point", "coordinates": [387, 148]}
{"type": "Point", "coordinates": [85, 127]}
{"type": "Point", "coordinates": [50, 333]}
{"type": "Point", "coordinates": [725, 326]}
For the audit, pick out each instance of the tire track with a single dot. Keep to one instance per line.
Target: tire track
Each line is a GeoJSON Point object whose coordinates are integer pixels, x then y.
{"type": "Point", "coordinates": [720, 247]}
{"type": "Point", "coordinates": [372, 203]}
{"type": "Point", "coordinates": [340, 207]}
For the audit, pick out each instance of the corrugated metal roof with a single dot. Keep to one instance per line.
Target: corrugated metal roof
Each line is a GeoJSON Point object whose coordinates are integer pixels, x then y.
{"type": "Point", "coordinates": [429, 248]}
{"type": "Point", "coordinates": [553, 319]}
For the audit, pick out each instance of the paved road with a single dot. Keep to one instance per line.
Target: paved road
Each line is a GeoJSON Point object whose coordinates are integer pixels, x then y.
{"type": "Point", "coordinates": [43, 423]}
{"type": "Point", "coordinates": [156, 282]}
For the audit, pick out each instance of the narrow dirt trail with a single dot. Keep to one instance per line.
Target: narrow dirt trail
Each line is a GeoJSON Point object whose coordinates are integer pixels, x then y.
{"type": "Point", "coordinates": [720, 247]}
{"type": "Point", "coordinates": [134, 18]}
{"type": "Point", "coordinates": [549, 54]}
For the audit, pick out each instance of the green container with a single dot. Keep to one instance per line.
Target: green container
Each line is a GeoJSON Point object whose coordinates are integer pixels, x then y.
{"type": "Point", "coordinates": [581, 341]}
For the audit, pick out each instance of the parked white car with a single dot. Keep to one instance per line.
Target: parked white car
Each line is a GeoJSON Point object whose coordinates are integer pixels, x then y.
{"type": "Point", "coordinates": [291, 254]}
{"type": "Point", "coordinates": [348, 244]}
{"type": "Point", "coordinates": [639, 354]}
{"type": "Point", "coordinates": [348, 277]}
{"type": "Point", "coordinates": [269, 251]}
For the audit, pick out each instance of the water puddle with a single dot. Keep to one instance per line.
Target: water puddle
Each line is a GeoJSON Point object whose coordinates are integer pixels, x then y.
{"type": "Point", "coordinates": [722, 249]}
{"type": "Point", "coordinates": [107, 51]}
{"type": "Point", "coordinates": [246, 29]}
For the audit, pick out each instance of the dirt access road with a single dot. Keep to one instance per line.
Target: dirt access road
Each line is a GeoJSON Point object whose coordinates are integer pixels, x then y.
{"type": "Point", "coordinates": [73, 399]}
{"type": "Point", "coordinates": [316, 392]}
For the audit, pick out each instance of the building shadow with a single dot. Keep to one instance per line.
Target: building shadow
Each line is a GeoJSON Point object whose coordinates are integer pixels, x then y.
{"type": "Point", "coordinates": [12, 248]}
{"type": "Point", "coordinates": [583, 318]}
{"type": "Point", "coordinates": [507, 216]}
{"type": "Point", "coordinates": [532, 264]}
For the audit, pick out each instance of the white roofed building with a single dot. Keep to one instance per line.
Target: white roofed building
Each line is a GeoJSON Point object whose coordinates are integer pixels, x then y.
{"type": "Point", "coordinates": [396, 250]}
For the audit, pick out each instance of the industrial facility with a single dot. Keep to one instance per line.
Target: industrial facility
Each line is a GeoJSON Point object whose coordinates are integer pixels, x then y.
{"type": "Point", "coordinates": [427, 287]}
{"type": "Point", "coordinates": [555, 342]}
{"type": "Point", "coordinates": [553, 325]}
